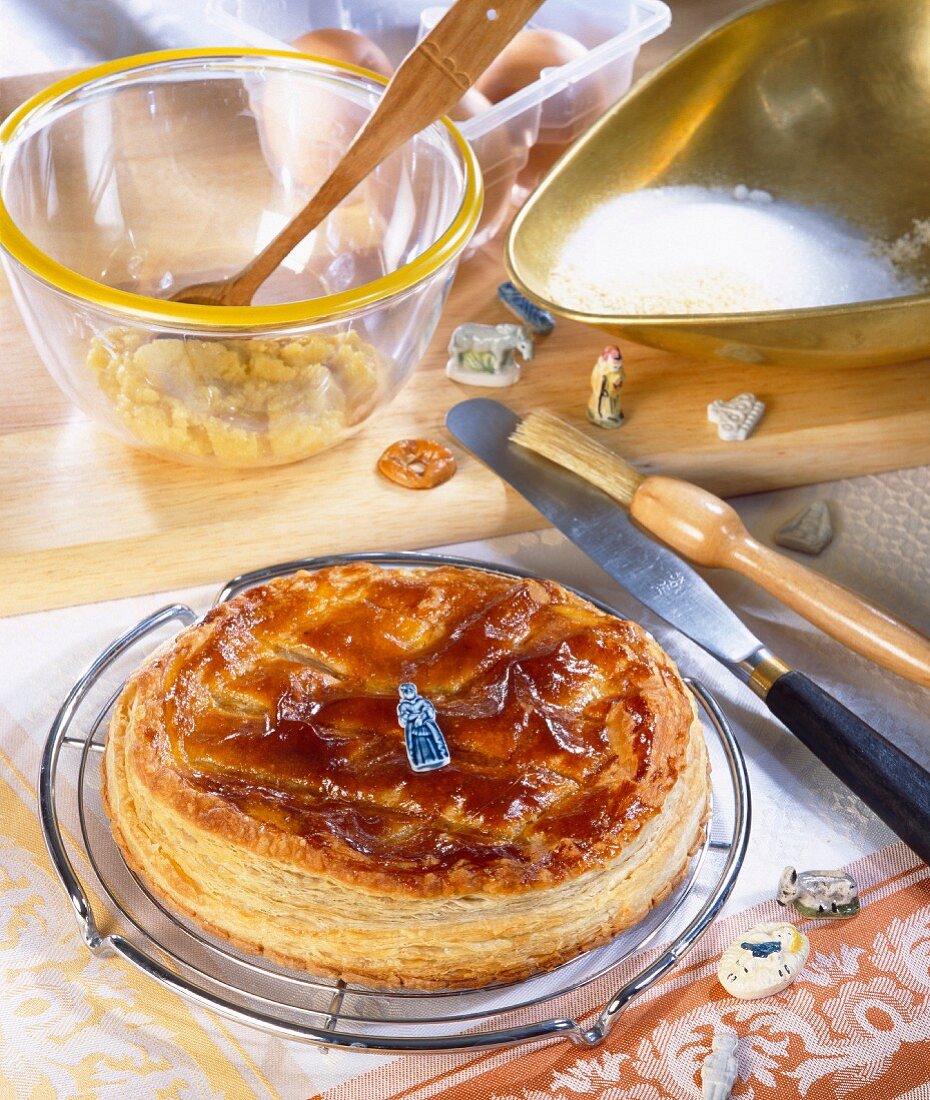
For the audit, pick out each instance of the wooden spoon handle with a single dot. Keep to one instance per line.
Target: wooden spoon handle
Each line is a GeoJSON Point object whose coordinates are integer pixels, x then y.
{"type": "Point", "coordinates": [430, 80]}
{"type": "Point", "coordinates": [708, 531]}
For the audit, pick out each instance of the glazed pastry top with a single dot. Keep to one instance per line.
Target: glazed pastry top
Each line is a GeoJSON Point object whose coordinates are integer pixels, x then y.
{"type": "Point", "coordinates": [566, 726]}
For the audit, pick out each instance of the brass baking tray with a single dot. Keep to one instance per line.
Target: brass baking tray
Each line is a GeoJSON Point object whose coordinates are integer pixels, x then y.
{"type": "Point", "coordinates": [824, 103]}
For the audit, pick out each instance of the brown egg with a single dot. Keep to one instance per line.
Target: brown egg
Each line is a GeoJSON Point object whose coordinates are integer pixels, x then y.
{"type": "Point", "coordinates": [472, 103]}
{"type": "Point", "coordinates": [524, 58]}
{"type": "Point", "coordinates": [541, 158]}
{"type": "Point", "coordinates": [352, 48]}
{"type": "Point", "coordinates": [303, 127]}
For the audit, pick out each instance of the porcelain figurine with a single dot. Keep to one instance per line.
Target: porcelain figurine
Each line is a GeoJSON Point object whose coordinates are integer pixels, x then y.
{"type": "Point", "coordinates": [539, 320]}
{"type": "Point", "coordinates": [763, 961]}
{"type": "Point", "coordinates": [826, 894]}
{"type": "Point", "coordinates": [483, 355]}
{"type": "Point", "coordinates": [606, 383]}
{"type": "Point", "coordinates": [810, 531]}
{"type": "Point", "coordinates": [736, 418]}
{"type": "Point", "coordinates": [718, 1073]}
{"type": "Point", "coordinates": [426, 747]}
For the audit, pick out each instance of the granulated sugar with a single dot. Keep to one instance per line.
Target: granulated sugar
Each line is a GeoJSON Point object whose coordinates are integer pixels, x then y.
{"type": "Point", "coordinates": [680, 250]}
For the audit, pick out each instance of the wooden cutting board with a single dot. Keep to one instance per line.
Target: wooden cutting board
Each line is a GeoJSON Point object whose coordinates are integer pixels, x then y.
{"type": "Point", "coordinates": [85, 518]}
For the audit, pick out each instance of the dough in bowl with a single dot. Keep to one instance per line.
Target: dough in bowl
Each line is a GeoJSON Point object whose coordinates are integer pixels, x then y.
{"type": "Point", "coordinates": [256, 777]}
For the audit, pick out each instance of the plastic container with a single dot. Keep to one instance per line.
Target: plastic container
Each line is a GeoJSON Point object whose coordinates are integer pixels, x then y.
{"type": "Point", "coordinates": [544, 118]}
{"type": "Point", "coordinates": [125, 183]}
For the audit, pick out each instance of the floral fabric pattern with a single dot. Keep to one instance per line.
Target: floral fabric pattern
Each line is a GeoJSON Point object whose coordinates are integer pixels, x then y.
{"type": "Point", "coordinates": [854, 1026]}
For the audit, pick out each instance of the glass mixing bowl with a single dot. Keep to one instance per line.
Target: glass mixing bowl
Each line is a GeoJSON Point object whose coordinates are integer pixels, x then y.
{"type": "Point", "coordinates": [125, 183]}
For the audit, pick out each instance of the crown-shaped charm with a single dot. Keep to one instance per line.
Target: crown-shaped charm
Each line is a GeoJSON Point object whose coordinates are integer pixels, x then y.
{"type": "Point", "coordinates": [736, 418]}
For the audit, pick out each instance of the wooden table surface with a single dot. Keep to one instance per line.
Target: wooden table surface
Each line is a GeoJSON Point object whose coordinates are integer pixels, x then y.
{"type": "Point", "coordinates": [82, 517]}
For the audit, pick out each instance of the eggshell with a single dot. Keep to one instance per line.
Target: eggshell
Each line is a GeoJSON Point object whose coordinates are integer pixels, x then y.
{"type": "Point", "coordinates": [524, 58]}
{"type": "Point", "coordinates": [346, 46]}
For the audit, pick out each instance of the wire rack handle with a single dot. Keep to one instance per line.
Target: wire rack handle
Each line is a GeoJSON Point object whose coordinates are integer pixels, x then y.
{"type": "Point", "coordinates": [51, 830]}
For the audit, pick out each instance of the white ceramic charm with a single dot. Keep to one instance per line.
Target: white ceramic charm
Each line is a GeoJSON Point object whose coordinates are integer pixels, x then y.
{"type": "Point", "coordinates": [810, 531]}
{"type": "Point", "coordinates": [483, 355]}
{"type": "Point", "coordinates": [718, 1073]}
{"type": "Point", "coordinates": [763, 961]}
{"type": "Point", "coordinates": [827, 895]}
{"type": "Point", "coordinates": [606, 383]}
{"type": "Point", "coordinates": [736, 418]}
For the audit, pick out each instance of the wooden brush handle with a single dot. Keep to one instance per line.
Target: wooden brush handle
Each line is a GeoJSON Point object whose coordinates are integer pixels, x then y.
{"type": "Point", "coordinates": [429, 82]}
{"type": "Point", "coordinates": [709, 532]}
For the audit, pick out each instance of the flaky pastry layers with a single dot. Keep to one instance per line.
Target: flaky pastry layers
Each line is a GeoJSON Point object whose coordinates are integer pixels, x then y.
{"type": "Point", "coordinates": [256, 778]}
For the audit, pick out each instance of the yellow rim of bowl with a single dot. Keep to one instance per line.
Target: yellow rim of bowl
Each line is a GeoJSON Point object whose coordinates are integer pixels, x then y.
{"type": "Point", "coordinates": [62, 278]}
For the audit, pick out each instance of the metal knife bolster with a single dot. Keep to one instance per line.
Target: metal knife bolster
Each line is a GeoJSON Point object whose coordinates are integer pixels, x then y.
{"type": "Point", "coordinates": [655, 575]}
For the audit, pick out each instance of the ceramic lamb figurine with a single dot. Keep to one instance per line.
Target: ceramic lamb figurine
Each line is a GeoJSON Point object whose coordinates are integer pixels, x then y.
{"type": "Point", "coordinates": [827, 894]}
{"type": "Point", "coordinates": [718, 1074]}
{"type": "Point", "coordinates": [483, 355]}
{"type": "Point", "coordinates": [606, 383]}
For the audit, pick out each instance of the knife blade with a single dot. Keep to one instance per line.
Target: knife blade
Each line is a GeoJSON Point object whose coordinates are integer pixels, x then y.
{"type": "Point", "coordinates": [650, 571]}
{"type": "Point", "coordinates": [887, 780]}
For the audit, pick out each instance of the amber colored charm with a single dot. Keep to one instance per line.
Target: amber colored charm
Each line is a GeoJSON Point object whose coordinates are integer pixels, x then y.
{"type": "Point", "coordinates": [417, 463]}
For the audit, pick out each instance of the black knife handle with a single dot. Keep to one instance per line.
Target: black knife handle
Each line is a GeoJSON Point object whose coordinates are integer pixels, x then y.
{"type": "Point", "coordinates": [887, 780]}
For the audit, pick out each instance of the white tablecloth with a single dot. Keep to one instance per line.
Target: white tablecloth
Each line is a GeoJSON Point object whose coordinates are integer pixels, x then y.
{"type": "Point", "coordinates": [801, 814]}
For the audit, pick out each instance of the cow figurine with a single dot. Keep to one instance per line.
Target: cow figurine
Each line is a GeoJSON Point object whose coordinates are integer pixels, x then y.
{"type": "Point", "coordinates": [825, 894]}
{"type": "Point", "coordinates": [483, 355]}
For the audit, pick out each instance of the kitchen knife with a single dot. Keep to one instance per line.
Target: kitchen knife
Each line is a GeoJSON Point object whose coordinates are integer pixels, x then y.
{"type": "Point", "coordinates": [887, 780]}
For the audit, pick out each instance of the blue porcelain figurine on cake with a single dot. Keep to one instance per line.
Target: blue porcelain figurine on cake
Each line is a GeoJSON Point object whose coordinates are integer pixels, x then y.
{"type": "Point", "coordinates": [426, 747]}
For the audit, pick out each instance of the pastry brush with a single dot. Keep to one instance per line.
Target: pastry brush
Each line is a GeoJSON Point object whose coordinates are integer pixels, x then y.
{"type": "Point", "coordinates": [709, 532]}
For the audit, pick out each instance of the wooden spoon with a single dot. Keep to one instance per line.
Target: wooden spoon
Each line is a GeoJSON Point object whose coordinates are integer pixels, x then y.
{"type": "Point", "coordinates": [432, 78]}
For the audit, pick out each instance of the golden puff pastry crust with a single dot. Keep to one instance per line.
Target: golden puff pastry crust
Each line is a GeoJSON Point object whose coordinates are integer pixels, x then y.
{"type": "Point", "coordinates": [256, 777]}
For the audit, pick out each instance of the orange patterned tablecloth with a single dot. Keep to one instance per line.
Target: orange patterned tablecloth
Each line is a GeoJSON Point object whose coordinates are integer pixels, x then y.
{"type": "Point", "coordinates": [78, 1027]}
{"type": "Point", "coordinates": [855, 1025]}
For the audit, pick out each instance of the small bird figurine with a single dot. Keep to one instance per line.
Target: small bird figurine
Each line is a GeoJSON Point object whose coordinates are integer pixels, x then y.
{"type": "Point", "coordinates": [606, 382]}
{"type": "Point", "coordinates": [426, 747]}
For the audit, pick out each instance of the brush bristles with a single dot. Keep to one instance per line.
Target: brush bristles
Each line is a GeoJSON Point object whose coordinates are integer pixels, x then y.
{"type": "Point", "coordinates": [552, 438]}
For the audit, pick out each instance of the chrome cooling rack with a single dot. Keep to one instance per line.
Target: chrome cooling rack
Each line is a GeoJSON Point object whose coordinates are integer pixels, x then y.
{"type": "Point", "coordinates": [580, 1001]}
